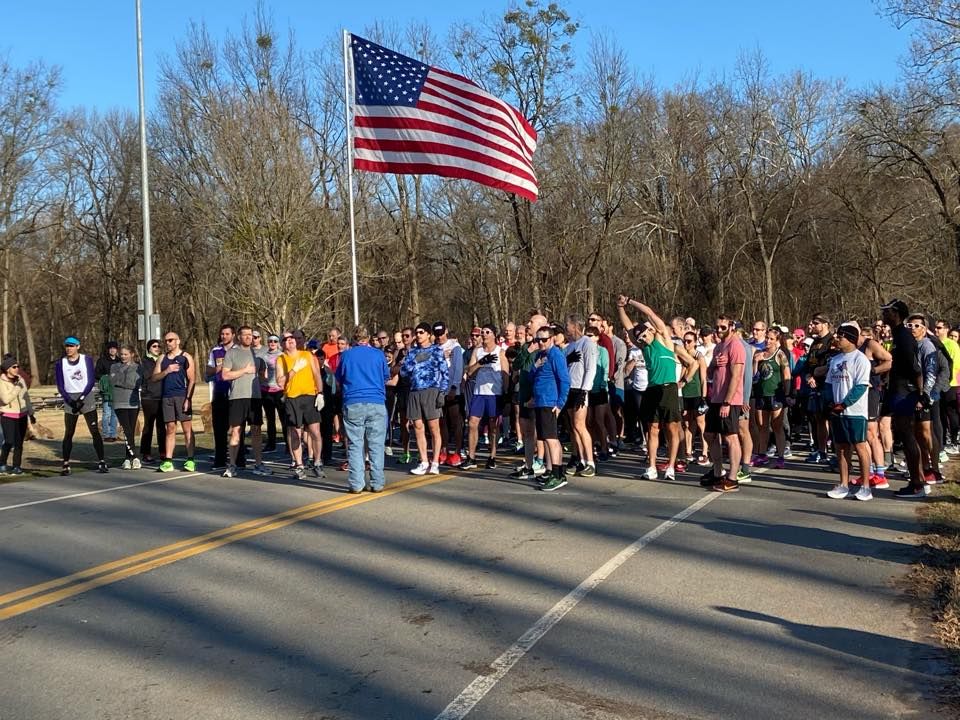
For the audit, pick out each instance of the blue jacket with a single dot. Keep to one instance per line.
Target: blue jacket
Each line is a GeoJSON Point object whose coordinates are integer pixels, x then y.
{"type": "Point", "coordinates": [550, 379]}
{"type": "Point", "coordinates": [362, 374]}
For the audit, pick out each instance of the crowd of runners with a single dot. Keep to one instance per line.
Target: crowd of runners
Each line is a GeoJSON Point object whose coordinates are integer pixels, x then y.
{"type": "Point", "coordinates": [870, 400]}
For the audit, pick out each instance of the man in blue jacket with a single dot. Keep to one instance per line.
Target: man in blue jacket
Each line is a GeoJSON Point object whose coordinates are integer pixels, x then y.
{"type": "Point", "coordinates": [550, 382]}
{"type": "Point", "coordinates": [362, 375]}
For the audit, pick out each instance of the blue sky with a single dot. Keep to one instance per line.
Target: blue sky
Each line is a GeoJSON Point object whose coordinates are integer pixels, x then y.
{"type": "Point", "coordinates": [95, 45]}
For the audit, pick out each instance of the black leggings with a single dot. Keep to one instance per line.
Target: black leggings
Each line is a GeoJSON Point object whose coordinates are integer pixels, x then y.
{"type": "Point", "coordinates": [949, 417]}
{"type": "Point", "coordinates": [70, 427]}
{"type": "Point", "coordinates": [153, 427]}
{"type": "Point", "coordinates": [128, 421]}
{"type": "Point", "coordinates": [272, 410]}
{"type": "Point", "coordinates": [14, 432]}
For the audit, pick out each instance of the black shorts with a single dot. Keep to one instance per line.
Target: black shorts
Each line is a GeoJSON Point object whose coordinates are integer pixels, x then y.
{"type": "Point", "coordinates": [546, 424]}
{"type": "Point", "coordinates": [172, 409]}
{"type": "Point", "coordinates": [301, 410]}
{"type": "Point", "coordinates": [246, 411]}
{"type": "Point", "coordinates": [598, 398]}
{"type": "Point", "coordinates": [723, 425]}
{"type": "Point", "coordinates": [576, 399]}
{"type": "Point", "coordinates": [873, 405]}
{"type": "Point", "coordinates": [769, 403]}
{"type": "Point", "coordinates": [403, 397]}
{"type": "Point", "coordinates": [526, 413]}
{"type": "Point", "coordinates": [691, 405]}
{"type": "Point", "coordinates": [660, 404]}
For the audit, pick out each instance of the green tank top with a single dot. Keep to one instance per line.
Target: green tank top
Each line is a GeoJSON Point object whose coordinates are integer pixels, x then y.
{"type": "Point", "coordinates": [661, 363]}
{"type": "Point", "coordinates": [692, 388]}
{"type": "Point", "coordinates": [771, 376]}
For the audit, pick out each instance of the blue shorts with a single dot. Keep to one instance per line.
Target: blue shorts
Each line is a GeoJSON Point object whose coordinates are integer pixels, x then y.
{"type": "Point", "coordinates": [848, 430]}
{"type": "Point", "coordinates": [486, 406]}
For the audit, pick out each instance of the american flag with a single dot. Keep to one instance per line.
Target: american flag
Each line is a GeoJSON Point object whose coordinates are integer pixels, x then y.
{"type": "Point", "coordinates": [411, 118]}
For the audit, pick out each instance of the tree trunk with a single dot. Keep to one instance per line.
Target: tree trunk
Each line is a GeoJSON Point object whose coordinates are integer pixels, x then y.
{"type": "Point", "coordinates": [31, 345]}
{"type": "Point", "coordinates": [5, 340]}
{"type": "Point", "coordinates": [768, 286]}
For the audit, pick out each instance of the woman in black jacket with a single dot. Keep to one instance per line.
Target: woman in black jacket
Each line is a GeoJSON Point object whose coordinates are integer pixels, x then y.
{"type": "Point", "coordinates": [150, 402]}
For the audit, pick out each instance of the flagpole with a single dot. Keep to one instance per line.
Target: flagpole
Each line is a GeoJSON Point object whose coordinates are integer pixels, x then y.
{"type": "Point", "coordinates": [347, 92]}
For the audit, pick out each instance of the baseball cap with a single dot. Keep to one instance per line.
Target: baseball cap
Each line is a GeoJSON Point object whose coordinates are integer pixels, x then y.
{"type": "Point", "coordinates": [808, 341]}
{"type": "Point", "coordinates": [312, 344]}
{"type": "Point", "coordinates": [475, 331]}
{"type": "Point", "coordinates": [275, 338]}
{"type": "Point", "coordinates": [898, 306]}
{"type": "Point", "coordinates": [706, 330]}
{"type": "Point", "coordinates": [113, 344]}
{"type": "Point", "coordinates": [439, 328]}
{"type": "Point", "coordinates": [71, 340]}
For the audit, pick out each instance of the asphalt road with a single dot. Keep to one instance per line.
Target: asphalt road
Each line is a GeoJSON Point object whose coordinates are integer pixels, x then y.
{"type": "Point", "coordinates": [458, 596]}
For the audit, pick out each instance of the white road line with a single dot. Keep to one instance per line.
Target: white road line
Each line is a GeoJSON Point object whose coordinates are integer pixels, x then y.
{"type": "Point", "coordinates": [97, 492]}
{"type": "Point", "coordinates": [475, 691]}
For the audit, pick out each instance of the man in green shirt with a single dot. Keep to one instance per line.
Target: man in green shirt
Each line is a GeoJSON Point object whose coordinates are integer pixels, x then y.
{"type": "Point", "coordinates": [661, 401]}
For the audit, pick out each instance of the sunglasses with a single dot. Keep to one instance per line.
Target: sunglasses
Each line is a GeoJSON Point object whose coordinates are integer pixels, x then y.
{"type": "Point", "coordinates": [689, 341]}
{"type": "Point", "coordinates": [14, 367]}
{"type": "Point", "coordinates": [169, 339]}
{"type": "Point", "coordinates": [721, 328]}
{"type": "Point", "coordinates": [486, 332]}
{"type": "Point", "coordinates": [539, 340]}
{"type": "Point", "coordinates": [421, 332]}
{"type": "Point", "coordinates": [914, 326]}
{"type": "Point", "coordinates": [406, 335]}
{"type": "Point", "coordinates": [474, 334]}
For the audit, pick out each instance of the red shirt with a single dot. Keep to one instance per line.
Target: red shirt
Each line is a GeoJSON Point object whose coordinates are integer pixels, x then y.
{"type": "Point", "coordinates": [606, 342]}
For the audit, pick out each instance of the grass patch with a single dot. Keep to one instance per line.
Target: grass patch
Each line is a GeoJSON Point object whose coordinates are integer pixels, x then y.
{"type": "Point", "coordinates": [935, 581]}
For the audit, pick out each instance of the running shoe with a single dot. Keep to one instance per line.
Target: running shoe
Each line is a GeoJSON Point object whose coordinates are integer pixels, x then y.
{"type": "Point", "coordinates": [434, 469]}
{"type": "Point", "coordinates": [681, 466]}
{"type": "Point", "coordinates": [588, 470]}
{"type": "Point", "coordinates": [726, 486]}
{"type": "Point", "coordinates": [929, 477]}
{"type": "Point", "coordinates": [299, 472]}
{"type": "Point", "coordinates": [135, 464]}
{"type": "Point", "coordinates": [102, 467]}
{"type": "Point", "coordinates": [539, 469]}
{"type": "Point", "coordinates": [814, 457]}
{"type": "Point", "coordinates": [952, 449]}
{"type": "Point", "coordinates": [554, 483]}
{"type": "Point", "coordinates": [166, 466]}
{"type": "Point", "coordinates": [839, 492]}
{"type": "Point", "coordinates": [454, 459]}
{"type": "Point", "coordinates": [522, 473]}
{"type": "Point", "coordinates": [230, 472]}
{"type": "Point", "coordinates": [127, 465]}
{"type": "Point", "coordinates": [910, 492]}
{"type": "Point", "coordinates": [760, 461]}
{"type": "Point", "coordinates": [879, 482]}
{"type": "Point", "coordinates": [420, 469]}
{"type": "Point", "coordinates": [262, 470]}
{"type": "Point", "coordinates": [65, 470]}
{"type": "Point", "coordinates": [317, 470]}
{"type": "Point", "coordinates": [864, 493]}
{"type": "Point", "coordinates": [388, 451]}
{"type": "Point", "coordinates": [744, 476]}
{"type": "Point", "coordinates": [189, 465]}
{"type": "Point", "coordinates": [943, 457]}
{"type": "Point", "coordinates": [703, 460]}
{"type": "Point", "coordinates": [468, 464]}
{"type": "Point", "coordinates": [492, 464]}
{"type": "Point", "coordinates": [650, 473]}
{"type": "Point", "coordinates": [669, 474]}
{"type": "Point", "coordinates": [16, 471]}
{"type": "Point", "coordinates": [788, 453]}
{"type": "Point", "coordinates": [443, 457]}
{"type": "Point", "coordinates": [778, 463]}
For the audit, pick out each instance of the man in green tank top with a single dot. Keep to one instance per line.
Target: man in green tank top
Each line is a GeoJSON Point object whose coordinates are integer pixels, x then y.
{"type": "Point", "coordinates": [661, 401]}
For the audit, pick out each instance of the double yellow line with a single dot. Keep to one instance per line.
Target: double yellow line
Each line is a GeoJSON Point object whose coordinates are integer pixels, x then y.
{"type": "Point", "coordinates": [31, 598]}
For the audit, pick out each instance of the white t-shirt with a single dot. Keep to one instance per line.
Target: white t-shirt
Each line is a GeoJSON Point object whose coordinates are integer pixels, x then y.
{"type": "Point", "coordinates": [845, 372]}
{"type": "Point", "coordinates": [638, 378]}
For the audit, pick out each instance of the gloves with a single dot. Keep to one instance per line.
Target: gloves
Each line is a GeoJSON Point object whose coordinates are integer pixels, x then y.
{"type": "Point", "coordinates": [573, 357]}
{"type": "Point", "coordinates": [318, 403]}
{"type": "Point", "coordinates": [926, 401]}
{"type": "Point", "coordinates": [488, 359]}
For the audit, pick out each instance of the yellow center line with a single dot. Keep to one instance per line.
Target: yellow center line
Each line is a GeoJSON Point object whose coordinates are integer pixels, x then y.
{"type": "Point", "coordinates": [45, 593]}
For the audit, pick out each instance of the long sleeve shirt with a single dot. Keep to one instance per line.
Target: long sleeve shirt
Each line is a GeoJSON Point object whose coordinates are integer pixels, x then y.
{"type": "Point", "coordinates": [550, 379]}
{"type": "Point", "coordinates": [583, 371]}
{"type": "Point", "coordinates": [426, 367]}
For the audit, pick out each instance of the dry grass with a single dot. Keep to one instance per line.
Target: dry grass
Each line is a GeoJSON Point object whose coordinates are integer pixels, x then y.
{"type": "Point", "coordinates": [935, 581]}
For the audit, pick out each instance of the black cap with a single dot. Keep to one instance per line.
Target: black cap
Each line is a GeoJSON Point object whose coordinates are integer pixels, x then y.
{"type": "Point", "coordinates": [113, 344]}
{"type": "Point", "coordinates": [439, 328]}
{"type": "Point", "coordinates": [898, 306]}
{"type": "Point", "coordinates": [849, 332]}
{"type": "Point", "coordinates": [8, 362]}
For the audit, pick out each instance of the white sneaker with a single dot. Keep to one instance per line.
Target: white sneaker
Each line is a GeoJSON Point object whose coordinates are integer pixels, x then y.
{"type": "Point", "coordinates": [927, 489]}
{"type": "Point", "coordinates": [388, 451]}
{"type": "Point", "coordinates": [420, 469]}
{"type": "Point", "coordinates": [539, 469]}
{"type": "Point", "coordinates": [787, 453]}
{"type": "Point", "coordinates": [839, 492]}
{"type": "Point", "coordinates": [434, 469]}
{"type": "Point", "coordinates": [669, 474]}
{"type": "Point", "coordinates": [650, 474]}
{"type": "Point", "coordinates": [127, 465]}
{"type": "Point", "coordinates": [943, 456]}
{"type": "Point", "coordinates": [136, 464]}
{"type": "Point", "coordinates": [864, 493]}
{"type": "Point", "coordinates": [229, 472]}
